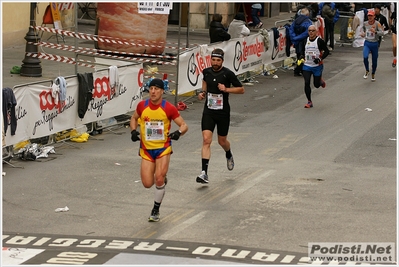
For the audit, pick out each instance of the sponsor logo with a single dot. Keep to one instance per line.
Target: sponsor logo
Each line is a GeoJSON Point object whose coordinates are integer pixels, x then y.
{"type": "Point", "coordinates": [50, 107]}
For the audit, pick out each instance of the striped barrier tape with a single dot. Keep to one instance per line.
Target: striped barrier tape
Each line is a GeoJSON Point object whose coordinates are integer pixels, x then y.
{"type": "Point", "coordinates": [113, 56]}
{"type": "Point", "coordinates": [88, 50]}
{"type": "Point", "coordinates": [69, 60]}
{"type": "Point", "coordinates": [99, 38]}
{"type": "Point", "coordinates": [65, 6]}
{"type": "Point", "coordinates": [60, 59]}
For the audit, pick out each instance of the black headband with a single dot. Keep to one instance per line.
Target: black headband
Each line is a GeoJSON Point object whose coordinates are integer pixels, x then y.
{"type": "Point", "coordinates": [217, 55]}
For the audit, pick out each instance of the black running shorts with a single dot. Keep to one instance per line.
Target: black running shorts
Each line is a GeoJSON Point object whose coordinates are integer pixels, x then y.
{"type": "Point", "coordinates": [209, 121]}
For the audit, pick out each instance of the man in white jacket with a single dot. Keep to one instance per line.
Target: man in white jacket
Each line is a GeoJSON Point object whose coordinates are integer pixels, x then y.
{"type": "Point", "coordinates": [237, 27]}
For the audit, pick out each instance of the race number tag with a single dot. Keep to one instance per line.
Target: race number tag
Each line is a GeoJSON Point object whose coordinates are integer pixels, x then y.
{"type": "Point", "coordinates": [310, 56]}
{"type": "Point", "coordinates": [154, 131]}
{"type": "Point", "coordinates": [215, 101]}
{"type": "Point", "coordinates": [370, 35]}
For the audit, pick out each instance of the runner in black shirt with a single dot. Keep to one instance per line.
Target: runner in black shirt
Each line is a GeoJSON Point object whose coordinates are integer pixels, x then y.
{"type": "Point", "coordinates": [216, 86]}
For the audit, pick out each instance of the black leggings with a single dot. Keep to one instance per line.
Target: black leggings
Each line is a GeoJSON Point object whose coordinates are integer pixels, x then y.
{"type": "Point", "coordinates": [329, 33]}
{"type": "Point", "coordinates": [316, 82]}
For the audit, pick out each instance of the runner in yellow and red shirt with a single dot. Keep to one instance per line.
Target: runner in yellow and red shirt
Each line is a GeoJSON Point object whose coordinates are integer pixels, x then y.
{"type": "Point", "coordinates": [155, 115]}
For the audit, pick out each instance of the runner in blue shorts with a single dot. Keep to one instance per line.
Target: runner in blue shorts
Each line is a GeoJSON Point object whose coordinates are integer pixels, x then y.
{"type": "Point", "coordinates": [315, 50]}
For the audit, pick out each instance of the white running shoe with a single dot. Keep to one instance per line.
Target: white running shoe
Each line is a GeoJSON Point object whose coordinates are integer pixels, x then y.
{"type": "Point", "coordinates": [202, 178]}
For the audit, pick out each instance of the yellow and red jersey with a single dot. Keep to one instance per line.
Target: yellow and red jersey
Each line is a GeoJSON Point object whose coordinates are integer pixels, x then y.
{"type": "Point", "coordinates": [155, 123]}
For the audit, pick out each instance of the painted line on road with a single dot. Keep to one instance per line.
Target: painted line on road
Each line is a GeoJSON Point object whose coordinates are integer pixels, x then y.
{"type": "Point", "coordinates": [178, 218]}
{"type": "Point", "coordinates": [178, 228]}
{"type": "Point", "coordinates": [213, 195]}
{"type": "Point", "coordinates": [284, 142]}
{"type": "Point", "coordinates": [177, 248]}
{"type": "Point", "coordinates": [247, 186]}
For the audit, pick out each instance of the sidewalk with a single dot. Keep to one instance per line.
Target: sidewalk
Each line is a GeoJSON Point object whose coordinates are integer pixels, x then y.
{"type": "Point", "coordinates": [52, 69]}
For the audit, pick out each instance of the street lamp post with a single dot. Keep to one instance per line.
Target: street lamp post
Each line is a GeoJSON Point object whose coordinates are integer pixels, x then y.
{"type": "Point", "coordinates": [31, 66]}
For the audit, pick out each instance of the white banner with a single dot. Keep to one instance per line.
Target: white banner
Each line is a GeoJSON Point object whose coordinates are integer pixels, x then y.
{"type": "Point", "coordinates": [105, 104]}
{"type": "Point", "coordinates": [39, 115]}
{"type": "Point", "coordinates": [241, 55]}
{"type": "Point", "coordinates": [145, 7]}
{"type": "Point", "coordinates": [154, 7]}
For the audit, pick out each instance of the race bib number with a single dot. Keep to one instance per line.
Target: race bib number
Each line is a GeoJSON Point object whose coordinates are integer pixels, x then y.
{"type": "Point", "coordinates": [215, 101]}
{"type": "Point", "coordinates": [310, 56]}
{"type": "Point", "coordinates": [370, 35]}
{"type": "Point", "coordinates": [154, 131]}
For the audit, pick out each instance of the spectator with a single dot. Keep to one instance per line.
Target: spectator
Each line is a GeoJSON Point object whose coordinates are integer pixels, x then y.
{"type": "Point", "coordinates": [255, 10]}
{"type": "Point", "coordinates": [299, 32]}
{"type": "Point", "coordinates": [237, 27]}
{"type": "Point", "coordinates": [382, 20]}
{"type": "Point", "coordinates": [393, 29]}
{"type": "Point", "coordinates": [313, 8]}
{"type": "Point", "coordinates": [347, 11]}
{"type": "Point", "coordinates": [330, 15]}
{"type": "Point", "coordinates": [217, 32]}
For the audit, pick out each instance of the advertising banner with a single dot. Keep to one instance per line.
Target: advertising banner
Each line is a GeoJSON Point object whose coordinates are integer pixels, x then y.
{"type": "Point", "coordinates": [241, 55]}
{"type": "Point", "coordinates": [39, 113]}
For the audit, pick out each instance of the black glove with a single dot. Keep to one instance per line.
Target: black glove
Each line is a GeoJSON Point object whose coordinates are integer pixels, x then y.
{"type": "Point", "coordinates": [317, 60]}
{"type": "Point", "coordinates": [175, 135]}
{"type": "Point", "coordinates": [135, 136]}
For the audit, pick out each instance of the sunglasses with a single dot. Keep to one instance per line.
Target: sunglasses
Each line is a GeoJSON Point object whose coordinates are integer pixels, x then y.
{"type": "Point", "coordinates": [311, 30]}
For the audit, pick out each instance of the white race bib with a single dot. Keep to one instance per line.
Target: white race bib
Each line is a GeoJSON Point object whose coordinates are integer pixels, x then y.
{"type": "Point", "coordinates": [310, 55]}
{"type": "Point", "coordinates": [154, 131]}
{"type": "Point", "coordinates": [370, 35]}
{"type": "Point", "coordinates": [215, 101]}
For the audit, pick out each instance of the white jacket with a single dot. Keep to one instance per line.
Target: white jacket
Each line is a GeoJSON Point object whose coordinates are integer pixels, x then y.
{"type": "Point", "coordinates": [237, 29]}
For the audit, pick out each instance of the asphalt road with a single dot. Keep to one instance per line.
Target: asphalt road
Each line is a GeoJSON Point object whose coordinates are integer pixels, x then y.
{"type": "Point", "coordinates": [326, 174]}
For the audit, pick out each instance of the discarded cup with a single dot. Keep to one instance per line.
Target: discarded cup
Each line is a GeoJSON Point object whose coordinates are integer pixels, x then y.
{"type": "Point", "coordinates": [62, 209]}
{"type": "Point", "coordinates": [368, 109]}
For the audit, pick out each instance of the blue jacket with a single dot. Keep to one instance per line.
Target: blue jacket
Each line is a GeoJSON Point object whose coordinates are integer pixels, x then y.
{"type": "Point", "coordinates": [299, 29]}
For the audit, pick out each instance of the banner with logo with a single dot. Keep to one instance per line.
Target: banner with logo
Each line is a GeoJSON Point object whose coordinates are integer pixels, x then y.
{"type": "Point", "coordinates": [241, 55]}
{"type": "Point", "coordinates": [39, 113]}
